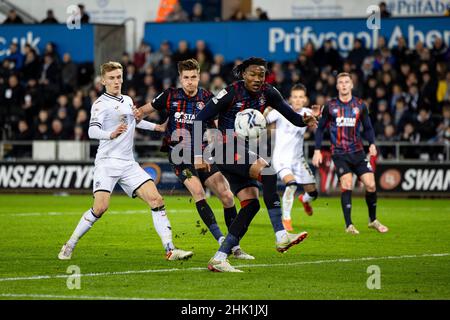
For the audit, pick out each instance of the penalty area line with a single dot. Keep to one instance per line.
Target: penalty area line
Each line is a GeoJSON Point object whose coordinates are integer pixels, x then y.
{"type": "Point", "coordinates": [118, 273]}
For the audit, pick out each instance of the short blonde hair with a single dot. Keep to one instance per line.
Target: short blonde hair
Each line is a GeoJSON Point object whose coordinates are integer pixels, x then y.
{"type": "Point", "coordinates": [343, 74]}
{"type": "Point", "coordinates": [109, 66]}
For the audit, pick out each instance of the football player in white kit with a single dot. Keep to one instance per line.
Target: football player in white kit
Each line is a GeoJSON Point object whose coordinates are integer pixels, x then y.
{"type": "Point", "coordinates": [113, 123]}
{"type": "Point", "coordinates": [287, 156]}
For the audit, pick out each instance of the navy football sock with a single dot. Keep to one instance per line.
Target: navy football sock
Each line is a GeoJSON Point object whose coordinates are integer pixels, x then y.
{"type": "Point", "coordinates": [272, 201]}
{"type": "Point", "coordinates": [346, 203]}
{"type": "Point", "coordinates": [371, 201]}
{"type": "Point", "coordinates": [205, 212]}
{"type": "Point", "coordinates": [229, 214]}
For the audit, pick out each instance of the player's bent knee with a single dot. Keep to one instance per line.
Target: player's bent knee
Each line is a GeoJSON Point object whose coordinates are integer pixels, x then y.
{"type": "Point", "coordinates": [100, 209]}
{"type": "Point", "coordinates": [371, 187]}
{"type": "Point", "coordinates": [155, 200]}
{"type": "Point", "coordinates": [227, 198]}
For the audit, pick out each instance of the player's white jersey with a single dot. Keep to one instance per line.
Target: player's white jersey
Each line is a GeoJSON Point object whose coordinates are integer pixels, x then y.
{"type": "Point", "coordinates": [107, 113]}
{"type": "Point", "coordinates": [288, 137]}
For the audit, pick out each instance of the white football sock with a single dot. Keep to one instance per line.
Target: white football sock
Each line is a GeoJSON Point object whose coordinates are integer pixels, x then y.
{"type": "Point", "coordinates": [86, 222]}
{"type": "Point", "coordinates": [279, 235]}
{"type": "Point", "coordinates": [307, 197]}
{"type": "Point", "coordinates": [288, 200]}
{"type": "Point", "coordinates": [221, 256]}
{"type": "Point", "coordinates": [235, 248]}
{"type": "Point", "coordinates": [163, 228]}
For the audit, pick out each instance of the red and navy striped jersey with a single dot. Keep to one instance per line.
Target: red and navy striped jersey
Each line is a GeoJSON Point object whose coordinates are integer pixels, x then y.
{"type": "Point", "coordinates": [236, 98]}
{"type": "Point", "coordinates": [345, 121]}
{"type": "Point", "coordinates": [181, 111]}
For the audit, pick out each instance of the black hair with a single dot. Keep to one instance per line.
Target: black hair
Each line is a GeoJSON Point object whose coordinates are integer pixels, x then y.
{"type": "Point", "coordinates": [239, 69]}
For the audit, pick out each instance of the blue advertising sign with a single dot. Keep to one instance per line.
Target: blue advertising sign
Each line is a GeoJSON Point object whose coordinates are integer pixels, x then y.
{"type": "Point", "coordinates": [282, 40]}
{"type": "Point", "coordinates": [78, 42]}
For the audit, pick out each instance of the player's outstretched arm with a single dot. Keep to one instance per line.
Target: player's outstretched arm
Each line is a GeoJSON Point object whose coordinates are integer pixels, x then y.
{"type": "Point", "coordinates": [278, 103]}
{"type": "Point", "coordinates": [317, 157]}
{"type": "Point", "coordinates": [147, 125]}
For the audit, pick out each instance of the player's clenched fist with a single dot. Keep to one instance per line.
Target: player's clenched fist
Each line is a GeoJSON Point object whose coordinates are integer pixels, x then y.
{"type": "Point", "coordinates": [119, 130]}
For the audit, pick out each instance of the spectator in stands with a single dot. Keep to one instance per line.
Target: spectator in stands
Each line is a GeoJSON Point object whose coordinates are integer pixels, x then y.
{"type": "Point", "coordinates": [166, 72]}
{"type": "Point", "coordinates": [84, 15]}
{"type": "Point", "coordinates": [15, 56]}
{"type": "Point", "coordinates": [425, 126]}
{"type": "Point", "coordinates": [218, 66]}
{"type": "Point", "coordinates": [22, 133]}
{"type": "Point", "coordinates": [410, 135]}
{"type": "Point", "coordinates": [443, 133]}
{"type": "Point", "coordinates": [238, 15]}
{"type": "Point", "coordinates": [50, 18]}
{"type": "Point", "coordinates": [178, 14]}
{"type": "Point", "coordinates": [77, 104]}
{"type": "Point", "coordinates": [443, 91]}
{"type": "Point", "coordinates": [69, 74]}
{"type": "Point", "coordinates": [440, 50]}
{"type": "Point", "coordinates": [79, 134]}
{"type": "Point", "coordinates": [50, 48]}
{"type": "Point", "coordinates": [384, 13]}
{"type": "Point", "coordinates": [152, 59]}
{"type": "Point", "coordinates": [197, 13]}
{"type": "Point", "coordinates": [412, 98]}
{"type": "Point", "coordinates": [328, 55]}
{"type": "Point", "coordinates": [401, 52]}
{"type": "Point", "coordinates": [357, 55]}
{"type": "Point", "coordinates": [261, 14]}
{"type": "Point", "coordinates": [11, 99]}
{"type": "Point", "coordinates": [31, 67]}
{"type": "Point", "coordinates": [205, 65]}
{"type": "Point", "coordinates": [50, 79]}
{"type": "Point", "coordinates": [131, 77]}
{"type": "Point", "coordinates": [42, 132]}
{"type": "Point", "coordinates": [217, 85]}
{"type": "Point", "coordinates": [29, 105]}
{"type": "Point", "coordinates": [401, 114]}
{"type": "Point", "coordinates": [183, 52]}
{"type": "Point", "coordinates": [58, 132]}
{"type": "Point", "coordinates": [13, 18]}
{"type": "Point", "coordinates": [388, 152]}
{"type": "Point", "coordinates": [200, 47]}
{"type": "Point", "coordinates": [139, 57]}
{"type": "Point", "coordinates": [82, 120]}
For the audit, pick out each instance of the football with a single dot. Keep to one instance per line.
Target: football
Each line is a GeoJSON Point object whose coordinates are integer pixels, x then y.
{"type": "Point", "coordinates": [249, 123]}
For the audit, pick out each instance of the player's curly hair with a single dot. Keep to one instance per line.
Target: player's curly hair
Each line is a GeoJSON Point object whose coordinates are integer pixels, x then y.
{"type": "Point", "coordinates": [240, 68]}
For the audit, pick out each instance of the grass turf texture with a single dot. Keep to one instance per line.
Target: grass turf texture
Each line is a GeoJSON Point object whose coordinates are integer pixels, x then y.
{"type": "Point", "coordinates": [34, 227]}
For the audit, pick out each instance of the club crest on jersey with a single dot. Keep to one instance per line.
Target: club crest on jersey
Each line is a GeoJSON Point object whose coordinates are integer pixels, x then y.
{"type": "Point", "coordinates": [97, 184]}
{"type": "Point", "coordinates": [355, 111]}
{"type": "Point", "coordinates": [117, 108]}
{"type": "Point", "coordinates": [262, 101]}
{"type": "Point", "coordinates": [200, 105]}
{"type": "Point", "coordinates": [335, 110]}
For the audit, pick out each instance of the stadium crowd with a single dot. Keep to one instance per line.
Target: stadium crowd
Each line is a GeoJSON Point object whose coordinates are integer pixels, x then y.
{"type": "Point", "coordinates": [45, 95]}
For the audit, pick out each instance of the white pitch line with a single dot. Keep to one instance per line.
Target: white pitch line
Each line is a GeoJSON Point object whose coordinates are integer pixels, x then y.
{"type": "Point", "coordinates": [238, 266]}
{"type": "Point", "coordinates": [51, 296]}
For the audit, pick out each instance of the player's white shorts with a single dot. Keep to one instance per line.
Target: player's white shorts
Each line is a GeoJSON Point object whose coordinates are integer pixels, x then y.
{"type": "Point", "coordinates": [299, 168]}
{"type": "Point", "coordinates": [128, 174]}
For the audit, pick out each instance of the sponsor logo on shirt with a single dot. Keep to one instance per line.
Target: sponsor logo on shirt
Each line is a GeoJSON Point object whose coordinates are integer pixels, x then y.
{"type": "Point", "coordinates": [182, 117]}
{"type": "Point", "coordinates": [345, 122]}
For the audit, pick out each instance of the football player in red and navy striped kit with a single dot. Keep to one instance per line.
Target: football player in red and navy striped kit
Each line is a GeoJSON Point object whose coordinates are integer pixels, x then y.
{"type": "Point", "coordinates": [344, 116]}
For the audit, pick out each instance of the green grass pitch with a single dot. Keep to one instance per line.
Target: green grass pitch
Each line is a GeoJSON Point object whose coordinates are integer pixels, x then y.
{"type": "Point", "coordinates": [121, 257]}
